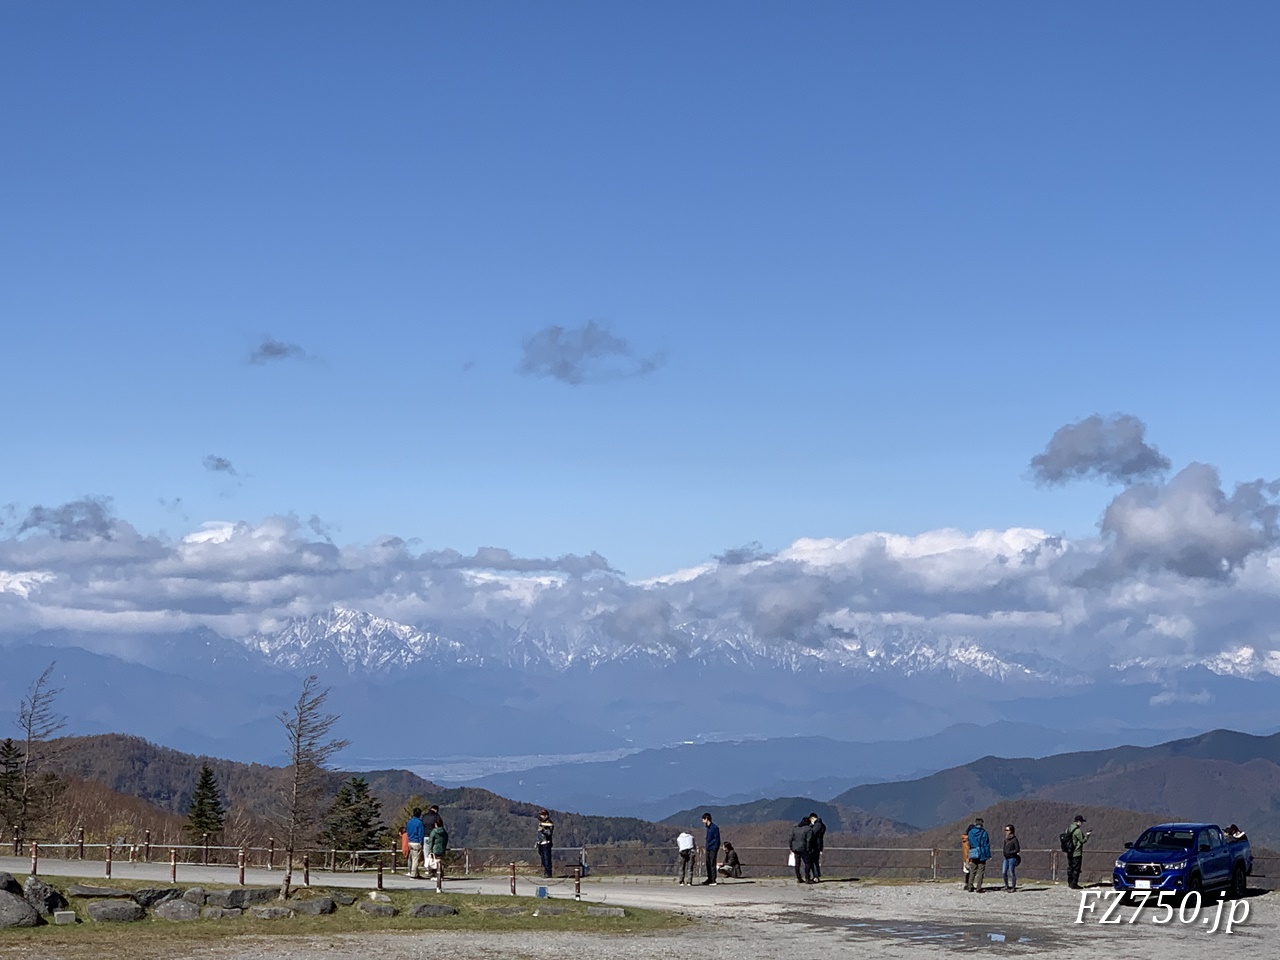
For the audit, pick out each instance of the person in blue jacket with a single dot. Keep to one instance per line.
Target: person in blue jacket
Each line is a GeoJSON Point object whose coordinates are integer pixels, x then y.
{"type": "Point", "coordinates": [417, 832]}
{"type": "Point", "coordinates": [979, 853]}
{"type": "Point", "coordinates": [711, 848]}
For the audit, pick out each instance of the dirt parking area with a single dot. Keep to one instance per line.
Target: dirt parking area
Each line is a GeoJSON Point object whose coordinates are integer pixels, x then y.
{"type": "Point", "coordinates": [772, 919]}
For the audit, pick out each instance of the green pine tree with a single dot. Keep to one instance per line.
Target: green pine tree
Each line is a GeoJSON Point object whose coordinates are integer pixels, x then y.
{"type": "Point", "coordinates": [354, 821]}
{"type": "Point", "coordinates": [206, 814]}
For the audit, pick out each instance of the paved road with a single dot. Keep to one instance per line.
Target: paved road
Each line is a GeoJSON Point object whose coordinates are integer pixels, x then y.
{"type": "Point", "coordinates": [765, 919]}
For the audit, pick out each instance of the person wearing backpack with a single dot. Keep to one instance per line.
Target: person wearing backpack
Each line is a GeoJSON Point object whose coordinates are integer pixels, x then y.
{"type": "Point", "coordinates": [1073, 841]}
{"type": "Point", "coordinates": [979, 853]}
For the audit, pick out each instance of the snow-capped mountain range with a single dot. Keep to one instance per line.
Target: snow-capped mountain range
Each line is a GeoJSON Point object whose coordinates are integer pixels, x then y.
{"type": "Point", "coordinates": [357, 642]}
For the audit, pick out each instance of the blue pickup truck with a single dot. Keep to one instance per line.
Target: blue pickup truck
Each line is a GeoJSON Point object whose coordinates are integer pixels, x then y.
{"type": "Point", "coordinates": [1182, 857]}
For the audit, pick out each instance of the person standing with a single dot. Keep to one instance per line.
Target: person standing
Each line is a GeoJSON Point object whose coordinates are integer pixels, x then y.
{"type": "Point", "coordinates": [819, 833]}
{"type": "Point", "coordinates": [438, 845]}
{"type": "Point", "coordinates": [964, 857]}
{"type": "Point", "coordinates": [1077, 836]}
{"type": "Point", "coordinates": [1012, 857]}
{"type": "Point", "coordinates": [685, 845]}
{"type": "Point", "coordinates": [711, 848]}
{"type": "Point", "coordinates": [802, 847]}
{"type": "Point", "coordinates": [416, 831]}
{"type": "Point", "coordinates": [979, 854]}
{"type": "Point", "coordinates": [545, 830]}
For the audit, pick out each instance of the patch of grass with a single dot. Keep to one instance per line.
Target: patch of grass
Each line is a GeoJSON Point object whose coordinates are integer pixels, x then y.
{"type": "Point", "coordinates": [154, 938]}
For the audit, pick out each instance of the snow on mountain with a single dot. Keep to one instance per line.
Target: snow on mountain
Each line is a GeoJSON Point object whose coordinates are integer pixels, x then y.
{"type": "Point", "coordinates": [354, 641]}
{"type": "Point", "coordinates": [1245, 662]}
{"type": "Point", "coordinates": [358, 642]}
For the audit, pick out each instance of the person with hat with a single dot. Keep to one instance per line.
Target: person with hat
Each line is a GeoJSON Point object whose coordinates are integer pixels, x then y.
{"type": "Point", "coordinates": [1077, 836]}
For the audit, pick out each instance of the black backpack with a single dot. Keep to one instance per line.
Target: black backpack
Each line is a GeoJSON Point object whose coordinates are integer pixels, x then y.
{"type": "Point", "coordinates": [1064, 839]}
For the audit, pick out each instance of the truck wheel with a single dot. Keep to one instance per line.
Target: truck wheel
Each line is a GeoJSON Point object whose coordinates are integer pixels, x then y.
{"type": "Point", "coordinates": [1238, 883]}
{"type": "Point", "coordinates": [1194, 885]}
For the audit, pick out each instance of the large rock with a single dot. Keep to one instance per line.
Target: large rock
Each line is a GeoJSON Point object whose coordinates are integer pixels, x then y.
{"type": "Point", "coordinates": [177, 910]}
{"type": "Point", "coordinates": [343, 899]}
{"type": "Point", "coordinates": [221, 913]}
{"type": "Point", "coordinates": [240, 897]}
{"type": "Point", "coordinates": [606, 912]}
{"type": "Point", "coordinates": [16, 912]}
{"type": "Point", "coordinates": [90, 892]}
{"type": "Point", "coordinates": [150, 896]}
{"type": "Point", "coordinates": [271, 913]}
{"type": "Point", "coordinates": [432, 910]}
{"type": "Point", "coordinates": [10, 885]}
{"type": "Point", "coordinates": [194, 895]}
{"type": "Point", "coordinates": [376, 909]}
{"type": "Point", "coordinates": [43, 897]}
{"type": "Point", "coordinates": [313, 907]}
{"type": "Point", "coordinates": [115, 911]}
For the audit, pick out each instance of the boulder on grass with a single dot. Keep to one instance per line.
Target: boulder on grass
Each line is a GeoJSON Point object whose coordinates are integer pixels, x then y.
{"type": "Point", "coordinates": [115, 911]}
{"type": "Point", "coordinates": [9, 885]}
{"type": "Point", "coordinates": [271, 913]}
{"type": "Point", "coordinates": [314, 907]}
{"type": "Point", "coordinates": [221, 913]}
{"type": "Point", "coordinates": [88, 891]}
{"type": "Point", "coordinates": [150, 896]}
{"type": "Point", "coordinates": [43, 897]}
{"type": "Point", "coordinates": [343, 899]}
{"type": "Point", "coordinates": [432, 910]}
{"type": "Point", "coordinates": [376, 909]}
{"type": "Point", "coordinates": [16, 912]}
{"type": "Point", "coordinates": [178, 909]}
{"type": "Point", "coordinates": [194, 895]}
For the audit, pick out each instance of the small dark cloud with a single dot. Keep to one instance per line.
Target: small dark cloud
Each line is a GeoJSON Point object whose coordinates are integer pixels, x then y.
{"type": "Point", "coordinates": [1112, 448]}
{"type": "Point", "coordinates": [215, 464]}
{"type": "Point", "coordinates": [587, 354]}
{"type": "Point", "coordinates": [468, 366]}
{"type": "Point", "coordinates": [747, 553]}
{"type": "Point", "coordinates": [321, 529]}
{"type": "Point", "coordinates": [271, 350]}
{"type": "Point", "coordinates": [85, 519]}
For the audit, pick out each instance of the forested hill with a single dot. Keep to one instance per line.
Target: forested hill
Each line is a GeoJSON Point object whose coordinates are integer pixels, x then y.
{"type": "Point", "coordinates": [476, 818]}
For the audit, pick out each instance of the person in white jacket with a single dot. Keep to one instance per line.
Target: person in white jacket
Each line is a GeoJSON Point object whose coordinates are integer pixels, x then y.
{"type": "Point", "coordinates": [686, 846]}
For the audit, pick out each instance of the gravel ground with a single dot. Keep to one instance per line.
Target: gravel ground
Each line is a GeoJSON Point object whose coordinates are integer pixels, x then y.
{"type": "Point", "coordinates": [838, 919]}
{"type": "Point", "coordinates": [775, 919]}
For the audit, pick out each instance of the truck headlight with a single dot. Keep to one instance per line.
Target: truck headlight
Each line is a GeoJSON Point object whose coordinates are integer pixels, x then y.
{"type": "Point", "coordinates": [1119, 864]}
{"type": "Point", "coordinates": [1180, 865]}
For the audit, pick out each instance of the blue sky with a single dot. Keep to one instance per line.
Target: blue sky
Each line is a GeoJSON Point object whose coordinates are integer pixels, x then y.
{"type": "Point", "coordinates": [875, 254]}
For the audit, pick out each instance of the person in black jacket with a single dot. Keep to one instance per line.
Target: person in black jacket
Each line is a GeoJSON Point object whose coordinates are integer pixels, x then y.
{"type": "Point", "coordinates": [1012, 857]}
{"type": "Point", "coordinates": [732, 866]}
{"type": "Point", "coordinates": [802, 846]}
{"type": "Point", "coordinates": [815, 849]}
{"type": "Point", "coordinates": [545, 831]}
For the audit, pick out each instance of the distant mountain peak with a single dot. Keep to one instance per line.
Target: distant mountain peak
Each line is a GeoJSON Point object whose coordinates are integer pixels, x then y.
{"type": "Point", "coordinates": [352, 641]}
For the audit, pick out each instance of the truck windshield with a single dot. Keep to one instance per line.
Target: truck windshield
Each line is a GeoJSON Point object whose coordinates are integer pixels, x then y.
{"type": "Point", "coordinates": [1154, 840]}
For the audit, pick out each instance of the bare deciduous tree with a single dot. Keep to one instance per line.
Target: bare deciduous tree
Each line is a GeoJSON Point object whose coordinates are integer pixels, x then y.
{"type": "Point", "coordinates": [38, 722]}
{"type": "Point", "coordinates": [310, 749]}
